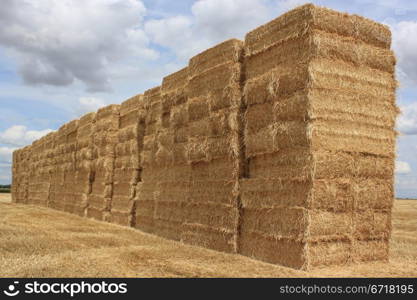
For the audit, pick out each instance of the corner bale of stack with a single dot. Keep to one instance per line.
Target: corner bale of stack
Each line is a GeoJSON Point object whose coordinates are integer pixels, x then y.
{"type": "Point", "coordinates": [320, 96]}
{"type": "Point", "coordinates": [127, 169]}
{"type": "Point", "coordinates": [213, 147]}
{"type": "Point", "coordinates": [277, 181]}
{"type": "Point", "coordinates": [147, 189]}
{"type": "Point", "coordinates": [104, 146]}
{"type": "Point", "coordinates": [352, 114]}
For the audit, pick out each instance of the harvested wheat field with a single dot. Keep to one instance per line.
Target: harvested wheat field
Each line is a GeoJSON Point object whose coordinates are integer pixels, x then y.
{"type": "Point", "coordinates": [42, 242]}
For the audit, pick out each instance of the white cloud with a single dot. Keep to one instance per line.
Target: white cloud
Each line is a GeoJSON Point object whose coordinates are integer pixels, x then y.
{"type": "Point", "coordinates": [58, 42]}
{"type": "Point", "coordinates": [19, 135]}
{"type": "Point", "coordinates": [6, 156]}
{"type": "Point", "coordinates": [407, 121]}
{"type": "Point", "coordinates": [219, 19]}
{"type": "Point", "coordinates": [211, 22]}
{"type": "Point", "coordinates": [175, 33]}
{"type": "Point", "coordinates": [405, 46]}
{"type": "Point", "coordinates": [402, 167]}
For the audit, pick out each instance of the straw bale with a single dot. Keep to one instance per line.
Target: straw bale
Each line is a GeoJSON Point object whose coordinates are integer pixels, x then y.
{"type": "Point", "coordinates": [327, 73]}
{"type": "Point", "coordinates": [280, 222]}
{"type": "Point", "coordinates": [285, 164]}
{"type": "Point", "coordinates": [213, 215]}
{"type": "Point", "coordinates": [229, 51]}
{"type": "Point", "coordinates": [131, 104]}
{"type": "Point", "coordinates": [258, 117]}
{"type": "Point", "coordinates": [121, 218]}
{"type": "Point", "coordinates": [220, 85]}
{"type": "Point", "coordinates": [179, 116]}
{"type": "Point", "coordinates": [354, 26]}
{"type": "Point", "coordinates": [373, 193]}
{"type": "Point", "coordinates": [340, 48]}
{"type": "Point", "coordinates": [272, 249]}
{"type": "Point", "coordinates": [329, 253]}
{"type": "Point", "coordinates": [174, 189]}
{"type": "Point", "coordinates": [175, 80]}
{"type": "Point", "coordinates": [130, 118]}
{"type": "Point", "coordinates": [151, 96]}
{"type": "Point", "coordinates": [369, 166]}
{"type": "Point", "coordinates": [145, 215]}
{"type": "Point", "coordinates": [198, 108]}
{"type": "Point", "coordinates": [278, 30]}
{"type": "Point", "coordinates": [372, 224]}
{"type": "Point", "coordinates": [122, 204]}
{"type": "Point", "coordinates": [95, 213]}
{"type": "Point", "coordinates": [296, 23]}
{"type": "Point", "coordinates": [168, 229]}
{"type": "Point", "coordinates": [87, 119]}
{"type": "Point", "coordinates": [220, 169]}
{"type": "Point", "coordinates": [333, 194]}
{"type": "Point", "coordinates": [205, 236]}
{"type": "Point", "coordinates": [170, 210]}
{"type": "Point", "coordinates": [329, 225]}
{"type": "Point", "coordinates": [371, 250]}
{"type": "Point", "coordinates": [277, 136]}
{"type": "Point", "coordinates": [350, 137]}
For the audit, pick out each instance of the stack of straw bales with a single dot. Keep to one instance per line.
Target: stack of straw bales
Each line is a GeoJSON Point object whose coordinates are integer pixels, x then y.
{"type": "Point", "coordinates": [127, 170]}
{"type": "Point", "coordinates": [213, 149]}
{"type": "Point", "coordinates": [147, 189]}
{"type": "Point", "coordinates": [280, 148]}
{"type": "Point", "coordinates": [320, 96]}
{"type": "Point", "coordinates": [104, 142]}
{"type": "Point", "coordinates": [83, 164]}
{"type": "Point", "coordinates": [170, 157]}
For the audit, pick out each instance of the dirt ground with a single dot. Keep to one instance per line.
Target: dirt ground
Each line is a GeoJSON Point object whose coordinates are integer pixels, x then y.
{"type": "Point", "coordinates": [41, 242]}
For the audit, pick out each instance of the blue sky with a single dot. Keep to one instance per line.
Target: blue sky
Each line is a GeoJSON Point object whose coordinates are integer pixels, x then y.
{"type": "Point", "coordinates": [61, 59]}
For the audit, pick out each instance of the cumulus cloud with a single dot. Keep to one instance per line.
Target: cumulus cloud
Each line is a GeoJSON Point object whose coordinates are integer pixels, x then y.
{"type": "Point", "coordinates": [407, 121]}
{"type": "Point", "coordinates": [211, 22]}
{"type": "Point", "coordinates": [6, 156]}
{"type": "Point", "coordinates": [402, 167]}
{"type": "Point", "coordinates": [19, 135]}
{"type": "Point", "coordinates": [59, 42]}
{"type": "Point", "coordinates": [405, 47]}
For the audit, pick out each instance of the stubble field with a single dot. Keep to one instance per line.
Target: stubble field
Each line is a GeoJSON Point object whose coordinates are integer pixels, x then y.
{"type": "Point", "coordinates": [41, 242]}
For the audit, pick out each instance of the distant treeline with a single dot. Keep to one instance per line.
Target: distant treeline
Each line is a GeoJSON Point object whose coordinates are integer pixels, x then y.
{"type": "Point", "coordinates": [5, 188]}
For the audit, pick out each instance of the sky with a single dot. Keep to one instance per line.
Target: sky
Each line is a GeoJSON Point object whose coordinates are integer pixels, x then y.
{"type": "Point", "coordinates": [60, 59]}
